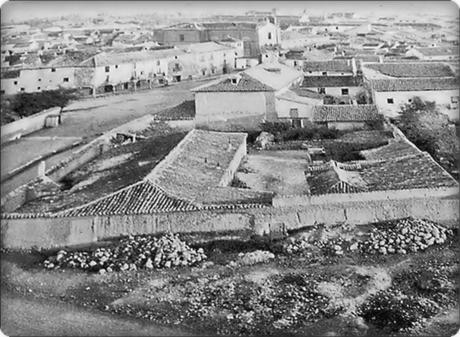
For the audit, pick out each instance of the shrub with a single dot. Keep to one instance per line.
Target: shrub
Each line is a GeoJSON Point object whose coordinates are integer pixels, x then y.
{"type": "Point", "coordinates": [392, 310]}
{"type": "Point", "coordinates": [274, 127]}
{"type": "Point", "coordinates": [236, 182]}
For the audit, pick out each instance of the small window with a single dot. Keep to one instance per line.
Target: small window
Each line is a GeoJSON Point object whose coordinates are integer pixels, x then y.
{"type": "Point", "coordinates": [181, 37]}
{"type": "Point", "coordinates": [269, 36]}
{"type": "Point", "coordinates": [390, 100]}
{"type": "Point", "coordinates": [322, 90]}
{"type": "Point", "coordinates": [53, 70]}
{"type": "Point", "coordinates": [15, 82]}
{"type": "Point", "coordinates": [39, 80]}
{"type": "Point", "coordinates": [2, 92]}
{"type": "Point", "coordinates": [310, 71]}
{"type": "Point", "coordinates": [409, 100]}
{"type": "Point", "coordinates": [116, 66]}
{"type": "Point", "coordinates": [23, 89]}
{"type": "Point", "coordinates": [454, 99]}
{"type": "Point", "coordinates": [295, 63]}
{"type": "Point", "coordinates": [66, 79]}
{"type": "Point", "coordinates": [107, 69]}
{"type": "Point", "coordinates": [175, 57]}
{"type": "Point", "coordinates": [345, 91]}
{"type": "Point", "coordinates": [38, 88]}
{"type": "Point", "coordinates": [158, 62]}
{"type": "Point", "coordinates": [142, 73]}
{"type": "Point", "coordinates": [296, 123]}
{"type": "Point", "coordinates": [236, 54]}
{"type": "Point", "coordinates": [266, 55]}
{"type": "Point", "coordinates": [324, 73]}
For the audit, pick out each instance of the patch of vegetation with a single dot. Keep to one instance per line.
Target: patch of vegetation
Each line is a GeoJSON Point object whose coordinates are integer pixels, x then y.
{"type": "Point", "coordinates": [392, 310]}
{"type": "Point", "coordinates": [27, 104]}
{"type": "Point", "coordinates": [182, 111]}
{"type": "Point", "coordinates": [285, 132]}
{"type": "Point", "coordinates": [431, 131]}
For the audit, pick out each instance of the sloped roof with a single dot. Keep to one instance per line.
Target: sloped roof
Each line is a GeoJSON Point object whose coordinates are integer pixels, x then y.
{"type": "Point", "coordinates": [305, 98]}
{"type": "Point", "coordinates": [245, 83]}
{"type": "Point", "coordinates": [276, 75]}
{"type": "Point", "coordinates": [415, 84]}
{"type": "Point", "coordinates": [390, 151]}
{"type": "Point", "coordinates": [140, 198]}
{"type": "Point", "coordinates": [9, 74]}
{"type": "Point", "coordinates": [413, 69]}
{"type": "Point", "coordinates": [438, 51]}
{"type": "Point", "coordinates": [334, 65]}
{"type": "Point", "coordinates": [104, 58]}
{"type": "Point", "coordinates": [205, 47]}
{"type": "Point", "coordinates": [345, 113]}
{"type": "Point", "coordinates": [414, 171]}
{"type": "Point", "coordinates": [331, 81]}
{"type": "Point", "coordinates": [193, 170]}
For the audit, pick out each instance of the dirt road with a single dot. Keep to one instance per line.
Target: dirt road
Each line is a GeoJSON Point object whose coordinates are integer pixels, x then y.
{"type": "Point", "coordinates": [30, 317]}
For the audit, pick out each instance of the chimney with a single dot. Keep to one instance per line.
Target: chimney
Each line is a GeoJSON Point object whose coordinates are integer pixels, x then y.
{"type": "Point", "coordinates": [353, 65]}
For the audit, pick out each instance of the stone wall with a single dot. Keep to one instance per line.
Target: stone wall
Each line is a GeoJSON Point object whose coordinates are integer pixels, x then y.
{"type": "Point", "coordinates": [56, 232]}
{"type": "Point", "coordinates": [26, 125]}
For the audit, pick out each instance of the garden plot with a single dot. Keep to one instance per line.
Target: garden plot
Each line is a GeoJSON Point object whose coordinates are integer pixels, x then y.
{"type": "Point", "coordinates": [282, 172]}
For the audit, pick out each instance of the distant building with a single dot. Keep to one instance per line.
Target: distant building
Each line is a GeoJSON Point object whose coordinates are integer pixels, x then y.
{"type": "Point", "coordinates": [434, 53]}
{"type": "Point", "coordinates": [253, 35]}
{"type": "Point", "coordinates": [338, 86]}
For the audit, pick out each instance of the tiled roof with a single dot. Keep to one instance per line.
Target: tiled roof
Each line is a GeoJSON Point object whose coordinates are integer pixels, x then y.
{"type": "Point", "coordinates": [276, 75]}
{"type": "Point", "coordinates": [140, 198]}
{"type": "Point", "coordinates": [103, 59]}
{"type": "Point", "coordinates": [399, 173]}
{"type": "Point", "coordinates": [415, 84]}
{"type": "Point", "coordinates": [331, 81]}
{"type": "Point", "coordinates": [390, 151]}
{"type": "Point", "coordinates": [413, 69]}
{"type": "Point", "coordinates": [437, 51]}
{"type": "Point", "coordinates": [345, 113]}
{"type": "Point", "coordinates": [205, 47]}
{"type": "Point", "coordinates": [364, 58]}
{"type": "Point", "coordinates": [410, 172]}
{"type": "Point", "coordinates": [245, 83]}
{"type": "Point", "coordinates": [194, 169]}
{"type": "Point", "coordinates": [335, 65]}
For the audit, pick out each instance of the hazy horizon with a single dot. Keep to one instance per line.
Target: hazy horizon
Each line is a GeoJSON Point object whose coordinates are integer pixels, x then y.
{"type": "Point", "coordinates": [26, 10]}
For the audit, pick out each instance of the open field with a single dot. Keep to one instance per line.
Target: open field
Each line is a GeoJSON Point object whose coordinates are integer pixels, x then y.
{"type": "Point", "coordinates": [311, 292]}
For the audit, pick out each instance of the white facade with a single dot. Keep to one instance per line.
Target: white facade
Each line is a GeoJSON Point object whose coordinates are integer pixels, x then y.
{"type": "Point", "coordinates": [419, 55]}
{"type": "Point", "coordinates": [246, 62]}
{"type": "Point", "coordinates": [35, 80]}
{"type": "Point", "coordinates": [269, 34]}
{"type": "Point", "coordinates": [389, 103]}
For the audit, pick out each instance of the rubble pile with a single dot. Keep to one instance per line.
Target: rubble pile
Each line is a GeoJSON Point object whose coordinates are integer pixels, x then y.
{"type": "Point", "coordinates": [399, 236]}
{"type": "Point", "coordinates": [405, 235]}
{"type": "Point", "coordinates": [131, 253]}
{"type": "Point", "coordinates": [258, 256]}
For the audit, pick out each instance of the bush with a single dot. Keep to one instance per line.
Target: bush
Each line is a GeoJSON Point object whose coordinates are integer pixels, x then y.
{"type": "Point", "coordinates": [391, 310]}
{"type": "Point", "coordinates": [275, 127]}
{"type": "Point", "coordinates": [27, 104]}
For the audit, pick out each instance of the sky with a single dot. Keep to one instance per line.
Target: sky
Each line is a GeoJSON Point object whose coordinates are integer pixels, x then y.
{"type": "Point", "coordinates": [24, 10]}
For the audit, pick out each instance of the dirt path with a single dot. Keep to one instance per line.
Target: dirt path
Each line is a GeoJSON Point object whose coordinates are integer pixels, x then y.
{"type": "Point", "coordinates": [30, 317]}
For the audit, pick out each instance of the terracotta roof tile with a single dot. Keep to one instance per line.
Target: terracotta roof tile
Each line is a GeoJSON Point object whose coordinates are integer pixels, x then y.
{"type": "Point", "coordinates": [246, 83]}
{"type": "Point", "coordinates": [331, 81]}
{"type": "Point", "coordinates": [415, 84]}
{"type": "Point", "coordinates": [334, 65]}
{"type": "Point", "coordinates": [413, 69]}
{"type": "Point", "coordinates": [342, 113]}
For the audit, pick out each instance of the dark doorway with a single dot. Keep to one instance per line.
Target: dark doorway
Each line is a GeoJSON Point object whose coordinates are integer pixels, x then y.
{"type": "Point", "coordinates": [176, 78]}
{"type": "Point", "coordinates": [108, 88]}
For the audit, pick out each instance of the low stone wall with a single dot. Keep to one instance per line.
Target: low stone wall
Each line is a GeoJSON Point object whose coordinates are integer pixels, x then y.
{"type": "Point", "coordinates": [26, 125]}
{"type": "Point", "coordinates": [58, 232]}
{"type": "Point", "coordinates": [298, 200]}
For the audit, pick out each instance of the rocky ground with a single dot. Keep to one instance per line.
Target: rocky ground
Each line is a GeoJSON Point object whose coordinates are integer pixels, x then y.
{"type": "Point", "coordinates": [333, 280]}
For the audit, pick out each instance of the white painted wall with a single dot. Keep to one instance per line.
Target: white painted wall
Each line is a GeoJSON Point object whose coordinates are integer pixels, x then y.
{"type": "Point", "coordinates": [337, 91]}
{"type": "Point", "coordinates": [305, 110]}
{"type": "Point", "coordinates": [441, 97]}
{"type": "Point", "coordinates": [263, 33]}
{"type": "Point", "coordinates": [33, 80]}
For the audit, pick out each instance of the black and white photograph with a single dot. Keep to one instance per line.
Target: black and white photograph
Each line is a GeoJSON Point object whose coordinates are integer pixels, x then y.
{"type": "Point", "coordinates": [230, 168]}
